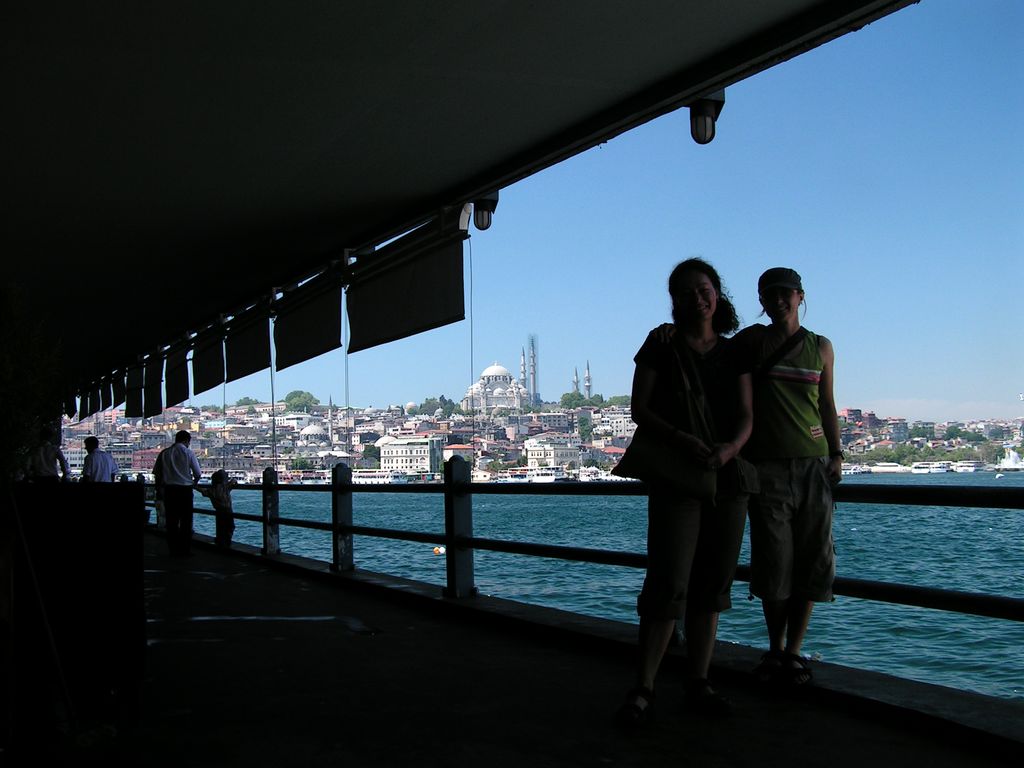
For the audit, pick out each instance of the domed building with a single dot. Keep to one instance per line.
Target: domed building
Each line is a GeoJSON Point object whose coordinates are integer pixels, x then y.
{"type": "Point", "coordinates": [496, 388]}
{"type": "Point", "coordinates": [314, 434]}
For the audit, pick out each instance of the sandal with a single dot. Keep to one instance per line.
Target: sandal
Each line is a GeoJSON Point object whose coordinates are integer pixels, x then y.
{"type": "Point", "coordinates": [795, 670]}
{"type": "Point", "coordinates": [771, 667]}
{"type": "Point", "coordinates": [638, 709]}
{"type": "Point", "coordinates": [701, 699]}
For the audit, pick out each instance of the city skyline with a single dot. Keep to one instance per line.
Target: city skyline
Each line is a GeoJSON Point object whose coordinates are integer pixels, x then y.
{"type": "Point", "coordinates": [885, 167]}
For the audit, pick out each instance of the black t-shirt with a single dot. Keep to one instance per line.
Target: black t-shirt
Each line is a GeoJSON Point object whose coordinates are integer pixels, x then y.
{"type": "Point", "coordinates": [717, 370]}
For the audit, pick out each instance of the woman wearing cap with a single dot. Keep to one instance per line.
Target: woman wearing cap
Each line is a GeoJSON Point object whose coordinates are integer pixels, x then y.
{"type": "Point", "coordinates": [795, 445]}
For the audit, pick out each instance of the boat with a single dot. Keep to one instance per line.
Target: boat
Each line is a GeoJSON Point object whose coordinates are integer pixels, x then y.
{"type": "Point", "coordinates": [856, 469]}
{"type": "Point", "coordinates": [378, 477]}
{"type": "Point", "coordinates": [532, 475]}
{"type": "Point", "coordinates": [968, 466]}
{"type": "Point", "coordinates": [888, 467]}
{"type": "Point", "coordinates": [921, 467]}
{"type": "Point", "coordinates": [941, 466]}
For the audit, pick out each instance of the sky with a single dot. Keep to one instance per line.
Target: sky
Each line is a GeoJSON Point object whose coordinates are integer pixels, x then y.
{"type": "Point", "coordinates": [886, 167]}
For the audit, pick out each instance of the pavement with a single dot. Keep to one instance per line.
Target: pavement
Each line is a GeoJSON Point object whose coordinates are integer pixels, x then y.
{"type": "Point", "coordinates": [259, 663]}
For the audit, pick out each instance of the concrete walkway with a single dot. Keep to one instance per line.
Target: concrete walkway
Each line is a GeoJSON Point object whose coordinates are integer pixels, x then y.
{"type": "Point", "coordinates": [255, 665]}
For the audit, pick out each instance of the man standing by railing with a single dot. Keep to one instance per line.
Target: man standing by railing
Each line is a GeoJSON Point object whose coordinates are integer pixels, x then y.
{"type": "Point", "coordinates": [99, 466]}
{"type": "Point", "coordinates": [177, 471]}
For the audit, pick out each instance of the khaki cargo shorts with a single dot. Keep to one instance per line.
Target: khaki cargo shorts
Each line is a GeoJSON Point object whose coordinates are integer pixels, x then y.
{"type": "Point", "coordinates": [791, 548]}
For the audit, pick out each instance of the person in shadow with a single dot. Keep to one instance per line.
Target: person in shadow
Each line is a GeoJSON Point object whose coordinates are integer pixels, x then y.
{"type": "Point", "coordinates": [46, 462]}
{"type": "Point", "coordinates": [177, 473]}
{"type": "Point", "coordinates": [219, 494]}
{"type": "Point", "coordinates": [796, 446]}
{"type": "Point", "coordinates": [692, 543]}
{"type": "Point", "coordinates": [99, 466]}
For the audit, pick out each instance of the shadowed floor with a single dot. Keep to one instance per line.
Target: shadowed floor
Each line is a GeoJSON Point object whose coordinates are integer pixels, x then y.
{"type": "Point", "coordinates": [250, 665]}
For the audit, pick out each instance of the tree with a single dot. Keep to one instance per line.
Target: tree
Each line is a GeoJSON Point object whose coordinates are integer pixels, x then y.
{"type": "Point", "coordinates": [298, 400]}
{"type": "Point", "coordinates": [247, 401]}
{"type": "Point", "coordinates": [572, 400]}
{"type": "Point", "coordinates": [302, 463]}
{"type": "Point", "coordinates": [618, 400]}
{"type": "Point", "coordinates": [586, 430]}
{"type": "Point", "coordinates": [211, 408]}
{"type": "Point", "coordinates": [371, 453]}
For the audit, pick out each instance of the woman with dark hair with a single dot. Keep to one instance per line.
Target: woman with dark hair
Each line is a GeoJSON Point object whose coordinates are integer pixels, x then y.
{"type": "Point", "coordinates": [692, 543]}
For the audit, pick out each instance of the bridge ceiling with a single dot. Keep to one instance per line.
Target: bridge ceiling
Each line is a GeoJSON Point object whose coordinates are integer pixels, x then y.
{"type": "Point", "coordinates": [169, 162]}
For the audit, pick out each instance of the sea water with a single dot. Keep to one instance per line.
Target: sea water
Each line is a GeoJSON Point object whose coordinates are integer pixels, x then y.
{"type": "Point", "coordinates": [972, 550]}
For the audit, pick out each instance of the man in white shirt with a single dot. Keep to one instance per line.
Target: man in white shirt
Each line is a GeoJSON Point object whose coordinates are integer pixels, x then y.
{"type": "Point", "coordinates": [177, 471]}
{"type": "Point", "coordinates": [45, 459]}
{"type": "Point", "coordinates": [99, 466]}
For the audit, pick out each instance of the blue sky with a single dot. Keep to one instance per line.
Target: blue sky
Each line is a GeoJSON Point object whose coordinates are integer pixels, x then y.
{"type": "Point", "coordinates": [887, 167]}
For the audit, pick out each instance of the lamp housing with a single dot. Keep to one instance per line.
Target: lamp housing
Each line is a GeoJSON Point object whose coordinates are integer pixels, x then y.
{"type": "Point", "coordinates": [703, 114]}
{"type": "Point", "coordinates": [483, 210]}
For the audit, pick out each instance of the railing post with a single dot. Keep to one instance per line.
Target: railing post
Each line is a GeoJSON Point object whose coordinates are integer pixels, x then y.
{"type": "Point", "coordinates": [271, 531]}
{"type": "Point", "coordinates": [458, 521]}
{"type": "Point", "coordinates": [341, 518]}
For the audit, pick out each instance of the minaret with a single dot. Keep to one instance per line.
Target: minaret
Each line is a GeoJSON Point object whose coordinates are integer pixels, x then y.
{"type": "Point", "coordinates": [330, 420]}
{"type": "Point", "coordinates": [576, 380]}
{"type": "Point", "coordinates": [522, 368]}
{"type": "Point", "coordinates": [586, 381]}
{"type": "Point", "coordinates": [534, 393]}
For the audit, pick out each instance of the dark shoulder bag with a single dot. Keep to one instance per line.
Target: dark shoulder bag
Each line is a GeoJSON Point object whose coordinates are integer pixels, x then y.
{"type": "Point", "coordinates": [658, 461]}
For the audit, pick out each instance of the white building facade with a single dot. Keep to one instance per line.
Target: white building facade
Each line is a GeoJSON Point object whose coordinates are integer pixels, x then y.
{"type": "Point", "coordinates": [552, 450]}
{"type": "Point", "coordinates": [411, 454]}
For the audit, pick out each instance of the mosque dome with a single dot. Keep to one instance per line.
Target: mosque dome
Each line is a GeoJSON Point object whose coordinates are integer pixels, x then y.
{"type": "Point", "coordinates": [496, 370]}
{"type": "Point", "coordinates": [313, 430]}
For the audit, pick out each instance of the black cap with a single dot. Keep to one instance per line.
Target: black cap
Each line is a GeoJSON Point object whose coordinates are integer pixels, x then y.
{"type": "Point", "coordinates": [779, 277]}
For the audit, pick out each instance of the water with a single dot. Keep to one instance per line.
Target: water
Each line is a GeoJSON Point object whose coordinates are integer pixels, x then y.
{"type": "Point", "coordinates": [974, 550]}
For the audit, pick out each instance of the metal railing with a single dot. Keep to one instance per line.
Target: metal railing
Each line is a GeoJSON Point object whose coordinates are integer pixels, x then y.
{"type": "Point", "coordinates": [460, 543]}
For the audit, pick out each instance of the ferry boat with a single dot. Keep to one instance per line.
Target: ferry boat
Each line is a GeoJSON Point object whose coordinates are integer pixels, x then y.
{"type": "Point", "coordinates": [968, 466]}
{"type": "Point", "coordinates": [888, 467]}
{"type": "Point", "coordinates": [379, 477]}
{"type": "Point", "coordinates": [856, 469]}
{"type": "Point", "coordinates": [532, 475]}
{"type": "Point", "coordinates": [921, 467]}
{"type": "Point", "coordinates": [941, 466]}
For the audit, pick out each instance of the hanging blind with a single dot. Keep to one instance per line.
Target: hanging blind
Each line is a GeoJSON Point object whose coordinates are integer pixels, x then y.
{"type": "Point", "coordinates": [117, 389]}
{"type": "Point", "coordinates": [247, 346]}
{"type": "Point", "coordinates": [133, 393]}
{"type": "Point", "coordinates": [177, 377]}
{"type": "Point", "coordinates": [208, 363]}
{"type": "Point", "coordinates": [308, 324]}
{"type": "Point", "coordinates": [423, 291]}
{"type": "Point", "coordinates": [153, 387]}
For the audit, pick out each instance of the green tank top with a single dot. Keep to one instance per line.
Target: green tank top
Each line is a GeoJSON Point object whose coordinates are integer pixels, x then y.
{"type": "Point", "coordinates": [787, 417]}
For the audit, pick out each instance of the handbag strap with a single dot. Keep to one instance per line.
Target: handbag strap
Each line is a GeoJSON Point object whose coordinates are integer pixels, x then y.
{"type": "Point", "coordinates": [784, 349]}
{"type": "Point", "coordinates": [695, 392]}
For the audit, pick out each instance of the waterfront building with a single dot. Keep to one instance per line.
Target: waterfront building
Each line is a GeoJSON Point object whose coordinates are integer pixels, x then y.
{"type": "Point", "coordinates": [467, 452]}
{"type": "Point", "coordinates": [122, 454]}
{"type": "Point", "coordinates": [411, 454]}
{"type": "Point", "coordinates": [552, 449]}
